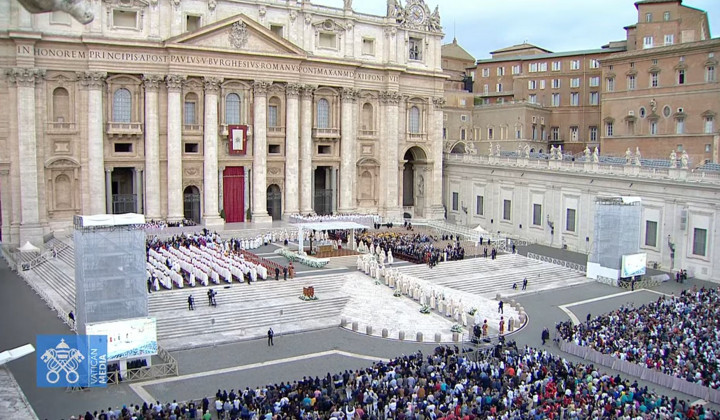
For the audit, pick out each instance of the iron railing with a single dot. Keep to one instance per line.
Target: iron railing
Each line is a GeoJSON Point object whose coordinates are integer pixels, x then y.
{"type": "Point", "coordinates": [567, 264]}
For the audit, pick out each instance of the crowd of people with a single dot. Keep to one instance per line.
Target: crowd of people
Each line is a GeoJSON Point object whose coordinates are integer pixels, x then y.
{"type": "Point", "coordinates": [363, 219]}
{"type": "Point", "coordinates": [675, 335]}
{"type": "Point", "coordinates": [505, 383]}
{"type": "Point", "coordinates": [162, 224]}
{"type": "Point", "coordinates": [417, 248]}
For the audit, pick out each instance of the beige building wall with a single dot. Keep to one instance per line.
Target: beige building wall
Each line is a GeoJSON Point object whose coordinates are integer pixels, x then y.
{"type": "Point", "coordinates": [530, 198]}
{"type": "Point", "coordinates": [132, 112]}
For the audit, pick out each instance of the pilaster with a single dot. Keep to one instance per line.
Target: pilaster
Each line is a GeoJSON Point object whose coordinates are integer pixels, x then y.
{"type": "Point", "coordinates": [151, 83]}
{"type": "Point", "coordinates": [174, 84]}
{"type": "Point", "coordinates": [292, 138]}
{"type": "Point", "coordinates": [211, 215]}
{"type": "Point", "coordinates": [347, 150]}
{"type": "Point", "coordinates": [25, 81]}
{"type": "Point", "coordinates": [94, 83]}
{"type": "Point", "coordinates": [389, 153]}
{"type": "Point", "coordinates": [306, 185]}
{"type": "Point", "coordinates": [436, 210]}
{"type": "Point", "coordinates": [259, 209]}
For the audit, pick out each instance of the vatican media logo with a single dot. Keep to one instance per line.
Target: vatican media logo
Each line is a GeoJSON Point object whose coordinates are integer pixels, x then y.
{"type": "Point", "coordinates": [71, 361]}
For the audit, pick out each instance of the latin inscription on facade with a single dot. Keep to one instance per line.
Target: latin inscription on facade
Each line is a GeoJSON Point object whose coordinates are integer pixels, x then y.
{"type": "Point", "coordinates": [134, 57]}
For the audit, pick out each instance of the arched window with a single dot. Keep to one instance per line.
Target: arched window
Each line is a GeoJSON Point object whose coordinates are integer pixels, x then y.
{"type": "Point", "coordinates": [232, 109]}
{"type": "Point", "coordinates": [367, 117]}
{"type": "Point", "coordinates": [323, 114]}
{"type": "Point", "coordinates": [414, 120]}
{"type": "Point", "coordinates": [190, 114]}
{"type": "Point", "coordinates": [61, 105]}
{"type": "Point", "coordinates": [122, 106]}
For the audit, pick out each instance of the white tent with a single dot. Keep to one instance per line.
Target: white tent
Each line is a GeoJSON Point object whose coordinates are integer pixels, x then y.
{"type": "Point", "coordinates": [28, 247]}
{"type": "Point", "coordinates": [479, 229]}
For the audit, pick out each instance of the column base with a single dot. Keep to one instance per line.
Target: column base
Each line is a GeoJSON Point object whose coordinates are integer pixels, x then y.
{"type": "Point", "coordinates": [32, 233]}
{"type": "Point", "coordinates": [213, 222]}
{"type": "Point", "coordinates": [176, 218]}
{"type": "Point", "coordinates": [261, 218]}
{"type": "Point", "coordinates": [394, 214]}
{"type": "Point", "coordinates": [435, 213]}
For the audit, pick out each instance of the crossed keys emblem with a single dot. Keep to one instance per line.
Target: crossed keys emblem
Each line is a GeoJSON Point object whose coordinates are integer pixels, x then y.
{"type": "Point", "coordinates": [62, 359]}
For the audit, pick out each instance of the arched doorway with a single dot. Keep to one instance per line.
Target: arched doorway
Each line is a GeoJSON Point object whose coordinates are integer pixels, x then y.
{"type": "Point", "coordinates": [413, 196]}
{"type": "Point", "coordinates": [191, 198]}
{"type": "Point", "coordinates": [274, 202]}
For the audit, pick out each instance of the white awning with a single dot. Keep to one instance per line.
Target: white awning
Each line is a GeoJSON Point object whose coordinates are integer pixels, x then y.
{"type": "Point", "coordinates": [111, 220]}
{"type": "Point", "coordinates": [323, 226]}
{"type": "Point", "coordinates": [28, 247]}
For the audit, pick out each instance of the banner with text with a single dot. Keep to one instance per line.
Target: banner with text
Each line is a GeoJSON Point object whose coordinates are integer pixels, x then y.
{"type": "Point", "coordinates": [71, 360]}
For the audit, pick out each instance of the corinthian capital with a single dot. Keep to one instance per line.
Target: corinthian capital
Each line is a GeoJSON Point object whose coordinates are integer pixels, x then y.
{"type": "Point", "coordinates": [260, 87]}
{"type": "Point", "coordinates": [23, 77]}
{"type": "Point", "coordinates": [390, 97]}
{"type": "Point", "coordinates": [152, 81]}
{"type": "Point", "coordinates": [92, 79]}
{"type": "Point", "coordinates": [349, 95]}
{"type": "Point", "coordinates": [292, 90]}
{"type": "Point", "coordinates": [212, 84]}
{"type": "Point", "coordinates": [307, 91]}
{"type": "Point", "coordinates": [439, 102]}
{"type": "Point", "coordinates": [175, 82]}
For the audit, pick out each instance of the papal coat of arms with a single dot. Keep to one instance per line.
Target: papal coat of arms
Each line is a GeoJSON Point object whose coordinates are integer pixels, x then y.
{"type": "Point", "coordinates": [238, 34]}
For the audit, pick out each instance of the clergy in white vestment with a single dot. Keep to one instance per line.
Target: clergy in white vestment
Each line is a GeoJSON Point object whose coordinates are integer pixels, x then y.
{"type": "Point", "coordinates": [359, 262]}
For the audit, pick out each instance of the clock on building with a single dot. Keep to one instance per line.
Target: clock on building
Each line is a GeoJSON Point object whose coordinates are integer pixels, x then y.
{"type": "Point", "coordinates": [416, 14]}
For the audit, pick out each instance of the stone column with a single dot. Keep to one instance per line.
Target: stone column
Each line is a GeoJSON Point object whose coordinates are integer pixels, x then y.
{"type": "Point", "coordinates": [433, 201]}
{"type": "Point", "coordinates": [292, 125]}
{"type": "Point", "coordinates": [94, 83]}
{"type": "Point", "coordinates": [259, 209]}
{"type": "Point", "coordinates": [246, 192]}
{"type": "Point", "coordinates": [306, 151]}
{"type": "Point", "coordinates": [108, 191]}
{"type": "Point", "coordinates": [389, 152]}
{"type": "Point", "coordinates": [211, 217]}
{"type": "Point", "coordinates": [347, 151]}
{"type": "Point", "coordinates": [140, 200]}
{"type": "Point", "coordinates": [152, 146]}
{"type": "Point", "coordinates": [174, 147]}
{"type": "Point", "coordinates": [333, 172]}
{"type": "Point", "coordinates": [25, 79]}
{"type": "Point", "coordinates": [5, 209]}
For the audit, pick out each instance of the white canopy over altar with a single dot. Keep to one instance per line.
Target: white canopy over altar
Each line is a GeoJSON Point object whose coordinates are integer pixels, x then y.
{"type": "Point", "coordinates": [325, 226]}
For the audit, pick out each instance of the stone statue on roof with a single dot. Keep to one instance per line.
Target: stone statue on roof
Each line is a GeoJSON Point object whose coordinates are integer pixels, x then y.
{"type": "Point", "coordinates": [628, 156]}
{"type": "Point", "coordinates": [684, 160]}
{"type": "Point", "coordinates": [673, 159]}
{"type": "Point", "coordinates": [637, 156]}
{"type": "Point", "coordinates": [81, 10]}
{"type": "Point", "coordinates": [595, 155]}
{"type": "Point", "coordinates": [586, 152]}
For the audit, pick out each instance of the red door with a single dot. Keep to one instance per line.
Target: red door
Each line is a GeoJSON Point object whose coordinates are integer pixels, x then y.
{"type": "Point", "coordinates": [234, 194]}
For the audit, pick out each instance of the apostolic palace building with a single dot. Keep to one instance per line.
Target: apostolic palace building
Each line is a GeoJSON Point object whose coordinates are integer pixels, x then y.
{"type": "Point", "coordinates": [199, 109]}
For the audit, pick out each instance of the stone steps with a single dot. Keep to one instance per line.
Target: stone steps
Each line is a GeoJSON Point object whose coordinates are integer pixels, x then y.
{"type": "Point", "coordinates": [228, 319]}
{"type": "Point", "coordinates": [176, 299]}
{"type": "Point", "coordinates": [51, 277]}
{"type": "Point", "coordinates": [489, 277]}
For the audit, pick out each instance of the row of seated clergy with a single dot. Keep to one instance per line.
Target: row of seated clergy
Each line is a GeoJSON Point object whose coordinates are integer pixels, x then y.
{"type": "Point", "coordinates": [166, 266]}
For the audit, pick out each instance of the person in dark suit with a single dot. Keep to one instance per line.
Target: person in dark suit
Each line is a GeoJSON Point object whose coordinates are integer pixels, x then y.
{"type": "Point", "coordinates": [270, 335]}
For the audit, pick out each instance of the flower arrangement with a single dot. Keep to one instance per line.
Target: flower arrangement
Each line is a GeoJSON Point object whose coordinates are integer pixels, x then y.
{"type": "Point", "coordinates": [457, 328]}
{"type": "Point", "coordinates": [308, 298]}
{"type": "Point", "coordinates": [425, 309]}
{"type": "Point", "coordinates": [378, 282]}
{"type": "Point", "coordinates": [303, 259]}
{"type": "Point", "coordinates": [397, 293]}
{"type": "Point", "coordinates": [472, 311]}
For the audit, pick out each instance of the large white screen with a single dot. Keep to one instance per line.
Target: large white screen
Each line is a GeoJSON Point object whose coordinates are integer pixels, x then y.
{"type": "Point", "coordinates": [633, 265]}
{"type": "Point", "coordinates": [128, 338]}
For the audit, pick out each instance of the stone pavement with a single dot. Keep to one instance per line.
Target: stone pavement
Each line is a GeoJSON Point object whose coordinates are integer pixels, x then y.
{"type": "Point", "coordinates": [251, 362]}
{"type": "Point", "coordinates": [13, 403]}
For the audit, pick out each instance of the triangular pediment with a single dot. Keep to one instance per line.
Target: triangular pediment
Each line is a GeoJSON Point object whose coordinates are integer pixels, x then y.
{"type": "Point", "coordinates": [238, 33]}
